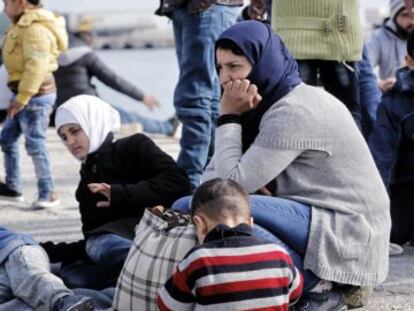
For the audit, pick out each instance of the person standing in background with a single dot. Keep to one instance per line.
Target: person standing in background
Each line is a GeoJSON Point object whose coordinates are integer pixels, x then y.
{"type": "Point", "coordinates": [30, 50]}
{"type": "Point", "coordinates": [387, 46]}
{"type": "Point", "coordinates": [197, 24]}
{"type": "Point", "coordinates": [325, 37]}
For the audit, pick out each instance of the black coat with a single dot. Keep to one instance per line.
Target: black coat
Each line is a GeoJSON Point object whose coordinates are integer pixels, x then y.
{"type": "Point", "coordinates": [140, 175]}
{"type": "Point", "coordinates": [392, 138]}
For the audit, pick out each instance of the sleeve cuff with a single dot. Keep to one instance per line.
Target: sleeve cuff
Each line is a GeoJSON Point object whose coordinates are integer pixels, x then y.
{"type": "Point", "coordinates": [229, 118]}
{"type": "Point", "coordinates": [23, 98]}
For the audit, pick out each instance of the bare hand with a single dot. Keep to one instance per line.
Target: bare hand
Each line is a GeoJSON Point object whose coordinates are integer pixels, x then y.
{"type": "Point", "coordinates": [239, 96]}
{"type": "Point", "coordinates": [264, 191]}
{"type": "Point", "coordinates": [151, 102]}
{"type": "Point", "coordinates": [103, 189]}
{"type": "Point", "coordinates": [14, 108]}
{"type": "Point", "coordinates": [385, 85]}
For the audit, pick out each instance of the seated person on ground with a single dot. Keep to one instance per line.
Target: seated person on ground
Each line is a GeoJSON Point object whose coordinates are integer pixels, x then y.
{"type": "Point", "coordinates": [26, 281]}
{"type": "Point", "coordinates": [231, 269]}
{"type": "Point", "coordinates": [391, 144]}
{"type": "Point", "coordinates": [118, 180]}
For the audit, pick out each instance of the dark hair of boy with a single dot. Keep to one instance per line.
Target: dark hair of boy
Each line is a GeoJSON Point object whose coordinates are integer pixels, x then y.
{"type": "Point", "coordinates": [219, 199]}
{"type": "Point", "coordinates": [410, 44]}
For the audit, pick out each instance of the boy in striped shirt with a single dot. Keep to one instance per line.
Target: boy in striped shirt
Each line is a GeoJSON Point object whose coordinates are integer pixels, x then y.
{"type": "Point", "coordinates": [230, 269]}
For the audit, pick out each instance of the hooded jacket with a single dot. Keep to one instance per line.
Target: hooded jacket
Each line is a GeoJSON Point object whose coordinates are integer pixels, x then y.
{"type": "Point", "coordinates": [30, 50]}
{"type": "Point", "coordinates": [386, 49]}
{"type": "Point", "coordinates": [78, 65]}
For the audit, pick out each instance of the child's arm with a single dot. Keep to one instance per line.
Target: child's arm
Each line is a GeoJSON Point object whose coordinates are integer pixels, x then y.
{"type": "Point", "coordinates": [295, 286]}
{"type": "Point", "coordinates": [176, 295]}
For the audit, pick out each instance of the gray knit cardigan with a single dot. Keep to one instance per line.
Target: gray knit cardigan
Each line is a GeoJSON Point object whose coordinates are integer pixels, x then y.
{"type": "Point", "coordinates": [309, 142]}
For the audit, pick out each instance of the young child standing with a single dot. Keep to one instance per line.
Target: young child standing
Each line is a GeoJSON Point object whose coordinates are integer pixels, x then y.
{"type": "Point", "coordinates": [30, 50]}
{"type": "Point", "coordinates": [230, 269]}
{"type": "Point", "coordinates": [392, 145]}
{"type": "Point", "coordinates": [26, 281]}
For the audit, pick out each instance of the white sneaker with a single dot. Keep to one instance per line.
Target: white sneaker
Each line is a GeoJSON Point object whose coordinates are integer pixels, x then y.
{"type": "Point", "coordinates": [52, 202]}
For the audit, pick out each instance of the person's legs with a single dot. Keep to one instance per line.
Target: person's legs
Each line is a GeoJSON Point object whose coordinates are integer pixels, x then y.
{"type": "Point", "coordinates": [34, 121]}
{"type": "Point", "coordinates": [198, 87]}
{"type": "Point", "coordinates": [83, 274]}
{"type": "Point", "coordinates": [308, 71]}
{"type": "Point", "coordinates": [108, 250]}
{"type": "Point", "coordinates": [30, 277]}
{"type": "Point", "coordinates": [149, 125]}
{"type": "Point", "coordinates": [402, 213]}
{"type": "Point", "coordinates": [288, 220]}
{"type": "Point", "coordinates": [9, 144]}
{"type": "Point", "coordinates": [341, 81]}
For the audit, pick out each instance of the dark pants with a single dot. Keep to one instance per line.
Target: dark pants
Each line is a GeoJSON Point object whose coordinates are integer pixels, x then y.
{"type": "Point", "coordinates": [402, 213]}
{"type": "Point", "coordinates": [337, 79]}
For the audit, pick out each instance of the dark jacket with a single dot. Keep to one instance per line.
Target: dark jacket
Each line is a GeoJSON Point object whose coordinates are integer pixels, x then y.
{"type": "Point", "coordinates": [392, 138]}
{"type": "Point", "coordinates": [78, 65]}
{"type": "Point", "coordinates": [140, 174]}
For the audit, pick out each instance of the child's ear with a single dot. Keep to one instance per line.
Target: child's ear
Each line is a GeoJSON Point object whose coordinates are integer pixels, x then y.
{"type": "Point", "coordinates": [200, 224]}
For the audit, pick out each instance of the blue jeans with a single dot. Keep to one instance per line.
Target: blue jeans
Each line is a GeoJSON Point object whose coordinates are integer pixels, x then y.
{"type": "Point", "coordinates": [149, 125]}
{"type": "Point", "coordinates": [32, 121]}
{"type": "Point", "coordinates": [369, 93]}
{"type": "Point", "coordinates": [337, 79]}
{"type": "Point", "coordinates": [26, 281]}
{"type": "Point", "coordinates": [107, 253]}
{"type": "Point", "coordinates": [197, 94]}
{"type": "Point", "coordinates": [280, 221]}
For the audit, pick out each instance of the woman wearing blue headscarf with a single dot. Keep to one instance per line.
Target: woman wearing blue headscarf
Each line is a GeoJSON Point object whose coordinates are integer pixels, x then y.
{"type": "Point", "coordinates": [299, 146]}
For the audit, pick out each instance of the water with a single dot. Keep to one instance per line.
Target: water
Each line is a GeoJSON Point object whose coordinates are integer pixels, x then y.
{"type": "Point", "coordinates": [154, 71]}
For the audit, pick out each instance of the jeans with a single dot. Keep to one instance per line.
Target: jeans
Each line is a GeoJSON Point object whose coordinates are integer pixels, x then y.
{"type": "Point", "coordinates": [337, 79]}
{"type": "Point", "coordinates": [197, 94]}
{"type": "Point", "coordinates": [149, 125]}
{"type": "Point", "coordinates": [280, 221]}
{"type": "Point", "coordinates": [107, 253]}
{"type": "Point", "coordinates": [26, 281]}
{"type": "Point", "coordinates": [369, 93]}
{"type": "Point", "coordinates": [32, 121]}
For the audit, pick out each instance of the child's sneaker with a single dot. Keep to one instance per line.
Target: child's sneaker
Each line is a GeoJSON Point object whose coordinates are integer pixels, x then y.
{"type": "Point", "coordinates": [8, 194]}
{"type": "Point", "coordinates": [51, 202]}
{"type": "Point", "coordinates": [332, 300]}
{"type": "Point", "coordinates": [73, 303]}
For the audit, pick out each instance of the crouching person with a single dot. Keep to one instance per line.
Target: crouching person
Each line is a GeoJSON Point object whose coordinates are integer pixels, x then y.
{"type": "Point", "coordinates": [230, 269]}
{"type": "Point", "coordinates": [26, 281]}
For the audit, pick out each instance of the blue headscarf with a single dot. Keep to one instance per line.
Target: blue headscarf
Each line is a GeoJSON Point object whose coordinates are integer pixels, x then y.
{"type": "Point", "coordinates": [274, 72]}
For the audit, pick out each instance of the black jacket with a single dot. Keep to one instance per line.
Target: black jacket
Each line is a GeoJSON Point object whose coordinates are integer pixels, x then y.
{"type": "Point", "coordinates": [78, 65]}
{"type": "Point", "coordinates": [392, 138]}
{"type": "Point", "coordinates": [140, 174]}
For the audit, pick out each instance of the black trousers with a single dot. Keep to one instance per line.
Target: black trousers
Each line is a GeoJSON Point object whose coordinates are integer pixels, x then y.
{"type": "Point", "coordinates": [337, 78]}
{"type": "Point", "coordinates": [402, 212]}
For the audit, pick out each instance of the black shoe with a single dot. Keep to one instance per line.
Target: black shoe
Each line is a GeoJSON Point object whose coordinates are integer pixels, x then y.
{"type": "Point", "coordinates": [73, 303]}
{"type": "Point", "coordinates": [332, 300]}
{"type": "Point", "coordinates": [8, 194]}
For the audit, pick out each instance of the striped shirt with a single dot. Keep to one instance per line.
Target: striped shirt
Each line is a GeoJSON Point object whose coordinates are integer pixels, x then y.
{"type": "Point", "coordinates": [233, 270]}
